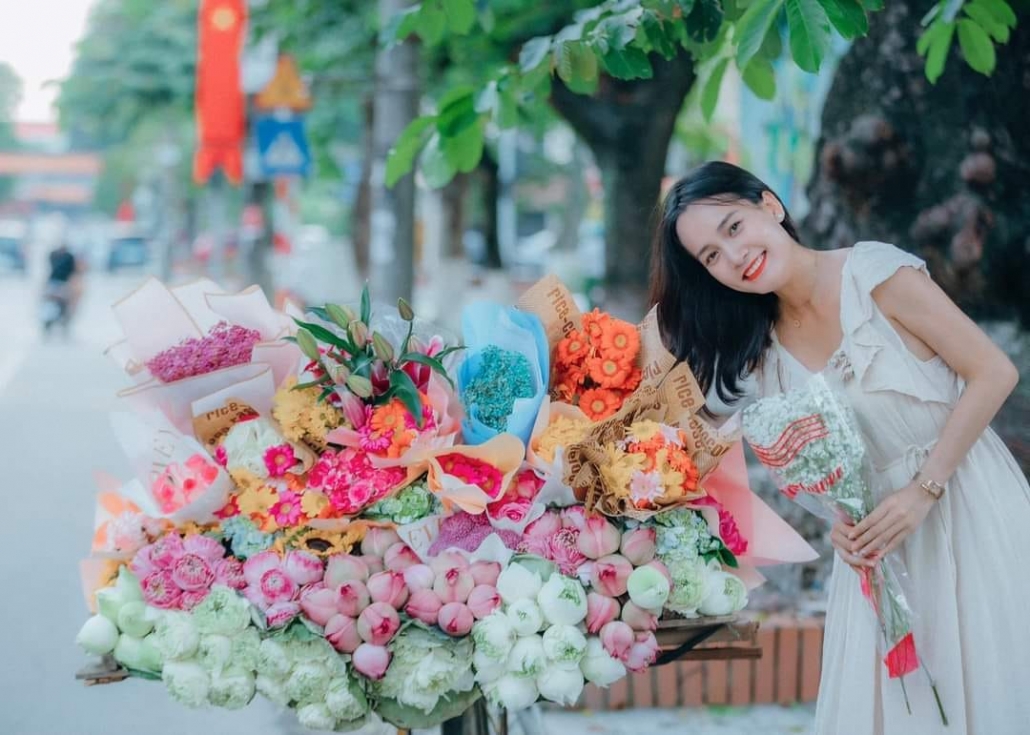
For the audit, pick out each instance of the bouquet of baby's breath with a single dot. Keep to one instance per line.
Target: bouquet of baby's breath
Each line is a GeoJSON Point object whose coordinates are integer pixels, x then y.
{"type": "Point", "coordinates": [809, 439]}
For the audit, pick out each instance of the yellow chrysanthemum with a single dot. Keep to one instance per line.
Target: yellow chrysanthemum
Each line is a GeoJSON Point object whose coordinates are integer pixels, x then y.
{"type": "Point", "coordinates": [313, 503]}
{"type": "Point", "coordinates": [245, 479]}
{"type": "Point", "coordinates": [642, 431]}
{"type": "Point", "coordinates": [302, 417]}
{"type": "Point", "coordinates": [617, 469]}
{"type": "Point", "coordinates": [256, 499]}
{"type": "Point", "coordinates": [561, 432]}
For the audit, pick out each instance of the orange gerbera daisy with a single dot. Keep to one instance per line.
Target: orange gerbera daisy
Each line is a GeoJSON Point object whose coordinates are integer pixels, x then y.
{"type": "Point", "coordinates": [620, 340]}
{"type": "Point", "coordinates": [595, 324]}
{"type": "Point", "coordinates": [573, 348]}
{"type": "Point", "coordinates": [389, 417]}
{"type": "Point", "coordinates": [609, 373]}
{"type": "Point", "coordinates": [599, 403]}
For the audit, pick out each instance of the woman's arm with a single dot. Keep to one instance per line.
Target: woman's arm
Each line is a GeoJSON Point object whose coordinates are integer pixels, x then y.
{"type": "Point", "coordinates": [929, 322]}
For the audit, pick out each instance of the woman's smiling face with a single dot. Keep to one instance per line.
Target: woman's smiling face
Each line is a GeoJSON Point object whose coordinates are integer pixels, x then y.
{"type": "Point", "coordinates": [740, 243]}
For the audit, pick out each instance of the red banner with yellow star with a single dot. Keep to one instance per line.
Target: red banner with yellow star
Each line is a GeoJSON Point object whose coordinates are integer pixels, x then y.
{"type": "Point", "coordinates": [220, 103]}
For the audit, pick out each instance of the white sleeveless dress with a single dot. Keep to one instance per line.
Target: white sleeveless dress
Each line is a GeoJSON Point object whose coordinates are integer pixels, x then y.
{"type": "Point", "coordinates": [969, 561]}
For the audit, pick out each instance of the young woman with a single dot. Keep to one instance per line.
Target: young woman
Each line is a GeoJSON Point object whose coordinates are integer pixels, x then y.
{"type": "Point", "coordinates": [739, 296]}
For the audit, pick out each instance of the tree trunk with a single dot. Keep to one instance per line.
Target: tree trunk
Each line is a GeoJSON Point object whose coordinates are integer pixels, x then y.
{"type": "Point", "coordinates": [491, 193]}
{"type": "Point", "coordinates": [258, 272]}
{"type": "Point", "coordinates": [453, 196]}
{"type": "Point", "coordinates": [361, 215]}
{"type": "Point", "coordinates": [628, 126]}
{"type": "Point", "coordinates": [392, 241]}
{"type": "Point", "coordinates": [940, 170]}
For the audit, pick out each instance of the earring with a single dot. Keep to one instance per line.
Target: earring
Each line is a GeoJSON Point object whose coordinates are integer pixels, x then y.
{"type": "Point", "coordinates": [779, 217]}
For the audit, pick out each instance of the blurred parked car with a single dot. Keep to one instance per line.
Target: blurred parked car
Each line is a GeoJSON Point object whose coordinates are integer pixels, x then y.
{"type": "Point", "coordinates": [13, 238]}
{"type": "Point", "coordinates": [128, 248]}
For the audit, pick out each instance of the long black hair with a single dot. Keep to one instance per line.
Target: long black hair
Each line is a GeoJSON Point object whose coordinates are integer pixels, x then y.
{"type": "Point", "coordinates": [721, 333]}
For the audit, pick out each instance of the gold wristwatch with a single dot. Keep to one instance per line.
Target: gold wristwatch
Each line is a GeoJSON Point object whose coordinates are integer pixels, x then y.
{"type": "Point", "coordinates": [935, 489]}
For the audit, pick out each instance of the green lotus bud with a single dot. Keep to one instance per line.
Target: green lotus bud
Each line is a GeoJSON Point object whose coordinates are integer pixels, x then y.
{"type": "Point", "coordinates": [407, 313]}
{"type": "Point", "coordinates": [341, 315]}
{"type": "Point", "coordinates": [384, 350]}
{"type": "Point", "coordinates": [360, 386]}
{"type": "Point", "coordinates": [307, 344]}
{"type": "Point", "coordinates": [358, 332]}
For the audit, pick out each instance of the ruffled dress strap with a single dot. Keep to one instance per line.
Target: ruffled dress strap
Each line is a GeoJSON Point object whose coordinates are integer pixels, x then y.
{"type": "Point", "coordinates": [878, 356]}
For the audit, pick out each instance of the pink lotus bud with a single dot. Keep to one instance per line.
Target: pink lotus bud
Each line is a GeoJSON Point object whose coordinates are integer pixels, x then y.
{"type": "Point", "coordinates": [485, 572]}
{"type": "Point", "coordinates": [318, 603]}
{"type": "Point", "coordinates": [483, 600]}
{"type": "Point", "coordinates": [661, 568]}
{"type": "Point", "coordinates": [303, 568]}
{"type": "Point", "coordinates": [642, 653]}
{"type": "Point", "coordinates": [378, 623]}
{"type": "Point", "coordinates": [448, 560]}
{"type": "Point", "coordinates": [638, 618]}
{"type": "Point", "coordinates": [617, 639]}
{"type": "Point", "coordinates": [424, 605]}
{"type": "Point", "coordinates": [276, 616]}
{"type": "Point", "coordinates": [574, 517]}
{"type": "Point", "coordinates": [374, 564]}
{"type": "Point", "coordinates": [639, 546]}
{"type": "Point", "coordinates": [388, 587]}
{"type": "Point", "coordinates": [601, 610]}
{"type": "Point", "coordinates": [456, 619]}
{"type": "Point", "coordinates": [598, 538]}
{"type": "Point", "coordinates": [342, 632]}
{"type": "Point", "coordinates": [545, 526]}
{"type": "Point", "coordinates": [378, 540]}
{"type": "Point", "coordinates": [371, 661]}
{"type": "Point", "coordinates": [352, 407]}
{"type": "Point", "coordinates": [352, 598]}
{"type": "Point", "coordinates": [419, 577]}
{"type": "Point", "coordinates": [454, 585]}
{"type": "Point", "coordinates": [399, 557]}
{"type": "Point", "coordinates": [610, 574]}
{"type": "Point", "coordinates": [344, 568]}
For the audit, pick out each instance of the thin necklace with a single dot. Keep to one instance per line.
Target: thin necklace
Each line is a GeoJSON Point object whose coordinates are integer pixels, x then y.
{"type": "Point", "coordinates": [815, 282]}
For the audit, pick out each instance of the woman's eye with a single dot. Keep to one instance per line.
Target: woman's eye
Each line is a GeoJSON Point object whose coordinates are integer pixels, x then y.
{"type": "Point", "coordinates": [734, 227]}
{"type": "Point", "coordinates": [710, 258]}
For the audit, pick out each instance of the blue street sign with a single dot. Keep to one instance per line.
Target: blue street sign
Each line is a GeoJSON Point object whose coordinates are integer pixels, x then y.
{"type": "Point", "coordinates": [282, 146]}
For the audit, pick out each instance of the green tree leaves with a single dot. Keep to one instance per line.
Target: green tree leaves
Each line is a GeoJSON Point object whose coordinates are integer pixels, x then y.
{"type": "Point", "coordinates": [980, 24]}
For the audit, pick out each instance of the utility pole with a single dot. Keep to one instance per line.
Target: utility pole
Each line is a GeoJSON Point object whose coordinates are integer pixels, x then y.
{"type": "Point", "coordinates": [392, 237]}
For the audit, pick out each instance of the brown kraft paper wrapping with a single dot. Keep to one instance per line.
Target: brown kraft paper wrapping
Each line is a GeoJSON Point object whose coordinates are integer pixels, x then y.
{"type": "Point", "coordinates": [212, 426]}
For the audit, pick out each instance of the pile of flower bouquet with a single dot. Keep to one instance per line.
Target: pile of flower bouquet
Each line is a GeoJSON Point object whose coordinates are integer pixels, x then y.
{"type": "Point", "coordinates": [355, 516]}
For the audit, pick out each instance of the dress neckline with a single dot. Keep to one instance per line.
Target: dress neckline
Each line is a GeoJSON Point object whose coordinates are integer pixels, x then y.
{"type": "Point", "coordinates": [840, 319]}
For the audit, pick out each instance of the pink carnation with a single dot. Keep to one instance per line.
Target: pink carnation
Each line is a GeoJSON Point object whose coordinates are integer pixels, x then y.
{"type": "Point", "coordinates": [351, 482]}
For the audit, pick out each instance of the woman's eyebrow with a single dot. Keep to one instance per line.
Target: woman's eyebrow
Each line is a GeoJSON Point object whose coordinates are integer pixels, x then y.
{"type": "Point", "coordinates": [726, 219]}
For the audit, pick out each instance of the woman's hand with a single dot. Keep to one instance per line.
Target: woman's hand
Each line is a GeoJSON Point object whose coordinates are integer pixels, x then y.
{"type": "Point", "coordinates": [898, 515]}
{"type": "Point", "coordinates": [841, 540]}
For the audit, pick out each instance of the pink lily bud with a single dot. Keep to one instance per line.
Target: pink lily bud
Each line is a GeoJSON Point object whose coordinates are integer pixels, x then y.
{"type": "Point", "coordinates": [598, 538]}
{"type": "Point", "coordinates": [388, 587]}
{"type": "Point", "coordinates": [371, 661]}
{"type": "Point", "coordinates": [374, 564]}
{"type": "Point", "coordinates": [448, 560]}
{"type": "Point", "coordinates": [601, 610]}
{"type": "Point", "coordinates": [617, 639]}
{"type": "Point", "coordinates": [483, 600]}
{"type": "Point", "coordinates": [424, 605]}
{"type": "Point", "coordinates": [661, 568]}
{"type": "Point", "coordinates": [419, 577]}
{"type": "Point", "coordinates": [378, 540]}
{"type": "Point", "coordinates": [638, 618]}
{"type": "Point", "coordinates": [610, 575]}
{"type": "Point", "coordinates": [342, 632]}
{"type": "Point", "coordinates": [454, 585]}
{"type": "Point", "coordinates": [639, 546]}
{"type": "Point", "coordinates": [345, 568]}
{"type": "Point", "coordinates": [378, 623]}
{"type": "Point", "coordinates": [485, 572]}
{"type": "Point", "coordinates": [352, 598]}
{"type": "Point", "coordinates": [399, 557]}
{"type": "Point", "coordinates": [352, 407]}
{"type": "Point", "coordinates": [456, 619]}
{"type": "Point", "coordinates": [642, 653]}
{"type": "Point", "coordinates": [318, 603]}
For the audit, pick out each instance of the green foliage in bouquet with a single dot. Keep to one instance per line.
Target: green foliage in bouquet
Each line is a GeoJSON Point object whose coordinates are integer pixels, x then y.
{"type": "Point", "coordinates": [353, 354]}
